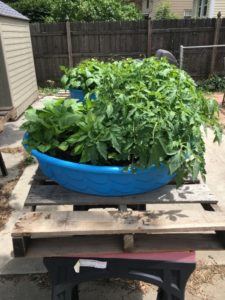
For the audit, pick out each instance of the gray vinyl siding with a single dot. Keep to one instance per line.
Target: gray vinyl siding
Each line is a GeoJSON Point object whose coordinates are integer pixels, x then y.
{"type": "Point", "coordinates": [19, 63]}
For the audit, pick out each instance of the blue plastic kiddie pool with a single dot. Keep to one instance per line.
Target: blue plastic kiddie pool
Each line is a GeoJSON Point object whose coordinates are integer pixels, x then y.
{"type": "Point", "coordinates": [102, 180]}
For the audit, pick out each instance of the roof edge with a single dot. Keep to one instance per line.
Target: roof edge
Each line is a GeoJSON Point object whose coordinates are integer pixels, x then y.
{"type": "Point", "coordinates": [17, 18]}
{"type": "Point", "coordinates": [9, 12]}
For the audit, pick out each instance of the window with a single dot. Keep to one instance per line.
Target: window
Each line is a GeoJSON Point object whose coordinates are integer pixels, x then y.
{"type": "Point", "coordinates": [187, 13]}
{"type": "Point", "coordinates": [202, 8]}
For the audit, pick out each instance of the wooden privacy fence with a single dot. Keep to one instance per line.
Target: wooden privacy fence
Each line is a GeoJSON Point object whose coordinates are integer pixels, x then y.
{"type": "Point", "coordinates": [69, 43]}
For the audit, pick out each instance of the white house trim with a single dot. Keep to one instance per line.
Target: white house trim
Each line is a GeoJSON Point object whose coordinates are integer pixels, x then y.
{"type": "Point", "coordinates": [211, 8]}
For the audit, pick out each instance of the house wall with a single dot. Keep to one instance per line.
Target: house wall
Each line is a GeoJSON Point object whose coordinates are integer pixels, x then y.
{"type": "Point", "coordinates": [214, 7]}
{"type": "Point", "coordinates": [219, 6]}
{"type": "Point", "coordinates": [177, 6]}
{"type": "Point", "coordinates": [19, 63]}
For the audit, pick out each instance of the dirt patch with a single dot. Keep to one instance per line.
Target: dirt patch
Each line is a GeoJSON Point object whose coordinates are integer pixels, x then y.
{"type": "Point", "coordinates": [5, 193]}
{"type": "Point", "coordinates": [12, 150]}
{"type": "Point", "coordinates": [204, 274]}
{"type": "Point", "coordinates": [41, 280]}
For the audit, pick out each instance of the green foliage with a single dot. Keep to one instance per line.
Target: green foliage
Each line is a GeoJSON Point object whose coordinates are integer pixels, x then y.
{"type": "Point", "coordinates": [107, 10]}
{"type": "Point", "coordinates": [49, 127]}
{"type": "Point", "coordinates": [50, 11]}
{"type": "Point", "coordinates": [86, 76]}
{"type": "Point", "coordinates": [214, 83]}
{"type": "Point", "coordinates": [147, 112]}
{"type": "Point", "coordinates": [29, 160]}
{"type": "Point", "coordinates": [48, 91]}
{"type": "Point", "coordinates": [36, 11]}
{"type": "Point", "coordinates": [164, 12]}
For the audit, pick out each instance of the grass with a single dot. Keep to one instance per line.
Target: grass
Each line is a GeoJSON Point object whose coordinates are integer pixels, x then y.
{"type": "Point", "coordinates": [48, 91]}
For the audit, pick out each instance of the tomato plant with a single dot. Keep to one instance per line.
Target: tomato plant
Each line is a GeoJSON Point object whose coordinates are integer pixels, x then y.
{"type": "Point", "coordinates": [86, 76]}
{"type": "Point", "coordinates": [147, 112]}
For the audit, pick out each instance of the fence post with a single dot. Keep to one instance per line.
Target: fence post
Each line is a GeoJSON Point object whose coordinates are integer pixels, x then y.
{"type": "Point", "coordinates": [69, 44]}
{"type": "Point", "coordinates": [181, 56]}
{"type": "Point", "coordinates": [149, 36]}
{"type": "Point", "coordinates": [215, 42]}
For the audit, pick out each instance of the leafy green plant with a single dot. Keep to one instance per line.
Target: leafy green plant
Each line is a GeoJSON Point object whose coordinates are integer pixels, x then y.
{"type": "Point", "coordinates": [214, 83]}
{"type": "Point", "coordinates": [49, 127]}
{"type": "Point", "coordinates": [164, 12]}
{"type": "Point", "coordinates": [86, 76]}
{"type": "Point", "coordinates": [147, 112]}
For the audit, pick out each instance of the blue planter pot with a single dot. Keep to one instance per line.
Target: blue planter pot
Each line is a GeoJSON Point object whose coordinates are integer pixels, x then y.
{"type": "Point", "coordinates": [79, 94]}
{"type": "Point", "coordinates": [102, 180]}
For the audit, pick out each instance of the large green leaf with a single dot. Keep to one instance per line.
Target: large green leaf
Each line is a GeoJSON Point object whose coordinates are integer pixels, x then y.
{"type": "Point", "coordinates": [102, 149]}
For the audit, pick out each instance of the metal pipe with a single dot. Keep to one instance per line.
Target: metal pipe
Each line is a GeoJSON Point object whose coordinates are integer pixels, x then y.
{"type": "Point", "coordinates": [181, 56]}
{"type": "Point", "coordinates": [206, 46]}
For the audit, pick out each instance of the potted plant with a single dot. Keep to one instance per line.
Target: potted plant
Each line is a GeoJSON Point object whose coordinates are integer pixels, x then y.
{"type": "Point", "coordinates": [146, 127]}
{"type": "Point", "coordinates": [82, 79]}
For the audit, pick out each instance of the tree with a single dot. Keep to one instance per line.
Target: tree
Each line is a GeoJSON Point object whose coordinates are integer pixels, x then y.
{"type": "Point", "coordinates": [35, 10]}
{"type": "Point", "coordinates": [77, 10]}
{"type": "Point", "coordinates": [164, 12]}
{"type": "Point", "coordinates": [107, 10]}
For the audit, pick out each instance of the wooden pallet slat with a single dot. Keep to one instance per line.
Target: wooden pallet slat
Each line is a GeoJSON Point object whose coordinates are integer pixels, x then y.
{"type": "Point", "coordinates": [84, 246]}
{"type": "Point", "coordinates": [57, 195]}
{"type": "Point", "coordinates": [67, 223]}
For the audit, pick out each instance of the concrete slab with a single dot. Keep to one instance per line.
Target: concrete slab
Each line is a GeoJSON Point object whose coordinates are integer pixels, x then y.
{"type": "Point", "coordinates": [35, 287]}
{"type": "Point", "coordinates": [211, 257]}
{"type": "Point", "coordinates": [215, 167]}
{"type": "Point", "coordinates": [23, 266]}
{"type": "Point", "coordinates": [12, 135]}
{"type": "Point", "coordinates": [12, 163]}
{"type": "Point", "coordinates": [23, 288]}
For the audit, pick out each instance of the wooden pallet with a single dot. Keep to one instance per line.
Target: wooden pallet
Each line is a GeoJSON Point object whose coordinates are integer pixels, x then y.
{"type": "Point", "coordinates": [187, 218]}
{"type": "Point", "coordinates": [63, 94]}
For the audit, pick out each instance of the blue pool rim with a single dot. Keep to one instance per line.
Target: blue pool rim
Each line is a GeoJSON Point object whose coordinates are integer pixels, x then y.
{"type": "Point", "coordinates": [84, 167]}
{"type": "Point", "coordinates": [101, 180]}
{"type": "Point", "coordinates": [79, 95]}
